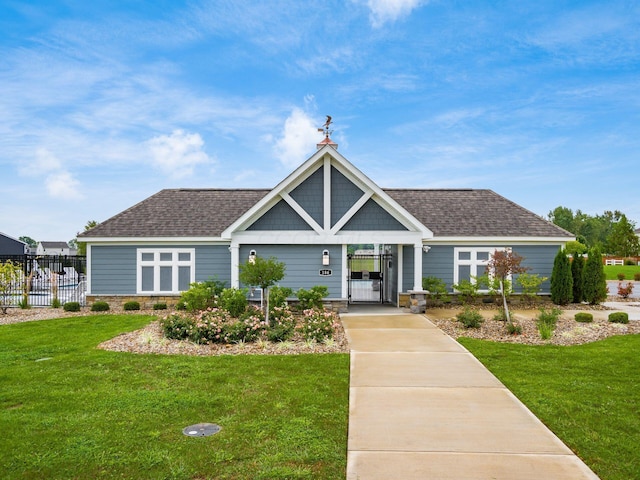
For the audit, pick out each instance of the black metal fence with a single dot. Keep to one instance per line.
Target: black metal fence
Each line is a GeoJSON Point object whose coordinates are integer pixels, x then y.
{"type": "Point", "coordinates": [44, 278]}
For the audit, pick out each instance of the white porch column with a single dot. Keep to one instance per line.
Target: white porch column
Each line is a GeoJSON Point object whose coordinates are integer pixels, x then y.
{"type": "Point", "coordinates": [235, 263]}
{"type": "Point", "coordinates": [417, 266]}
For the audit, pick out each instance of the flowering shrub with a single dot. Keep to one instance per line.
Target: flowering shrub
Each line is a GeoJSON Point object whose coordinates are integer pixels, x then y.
{"type": "Point", "coordinates": [178, 327]}
{"type": "Point", "coordinates": [283, 324]}
{"type": "Point", "coordinates": [318, 325]}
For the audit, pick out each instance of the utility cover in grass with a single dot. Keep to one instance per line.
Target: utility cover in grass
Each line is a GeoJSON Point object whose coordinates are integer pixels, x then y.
{"type": "Point", "coordinates": [201, 430]}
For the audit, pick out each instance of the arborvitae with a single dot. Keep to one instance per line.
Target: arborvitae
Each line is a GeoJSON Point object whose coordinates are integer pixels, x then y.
{"type": "Point", "coordinates": [561, 280]}
{"type": "Point", "coordinates": [594, 288]}
{"type": "Point", "coordinates": [577, 269]}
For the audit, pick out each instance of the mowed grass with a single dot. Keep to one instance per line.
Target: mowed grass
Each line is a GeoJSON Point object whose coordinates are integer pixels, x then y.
{"type": "Point", "coordinates": [612, 271]}
{"type": "Point", "coordinates": [70, 410]}
{"type": "Point", "coordinates": [588, 395]}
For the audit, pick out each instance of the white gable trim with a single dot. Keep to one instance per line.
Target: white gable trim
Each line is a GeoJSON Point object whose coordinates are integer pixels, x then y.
{"type": "Point", "coordinates": [325, 158]}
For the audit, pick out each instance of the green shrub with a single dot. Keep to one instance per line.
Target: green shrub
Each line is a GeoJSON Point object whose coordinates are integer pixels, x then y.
{"type": "Point", "coordinates": [636, 276]}
{"type": "Point", "coordinates": [71, 307]}
{"type": "Point", "coordinates": [24, 303]}
{"type": "Point", "coordinates": [282, 324]}
{"type": "Point", "coordinates": [100, 306]}
{"type": "Point", "coordinates": [436, 287]}
{"type": "Point", "coordinates": [467, 289]}
{"type": "Point", "coordinates": [619, 317]}
{"type": "Point", "coordinates": [159, 306]}
{"type": "Point", "coordinates": [621, 276]}
{"type": "Point", "coordinates": [584, 317]}
{"type": "Point", "coordinates": [594, 279]}
{"type": "Point", "coordinates": [318, 325]}
{"type": "Point", "coordinates": [577, 277]}
{"type": "Point", "coordinates": [470, 318]}
{"type": "Point", "coordinates": [312, 298]}
{"type": "Point", "coordinates": [132, 305]}
{"type": "Point", "coordinates": [178, 327]}
{"type": "Point", "coordinates": [628, 261]}
{"type": "Point", "coordinates": [561, 279]}
{"type": "Point", "coordinates": [501, 316]}
{"type": "Point", "coordinates": [278, 297]}
{"type": "Point", "coordinates": [233, 300]}
{"type": "Point", "coordinates": [547, 321]}
{"type": "Point", "coordinates": [201, 295]}
{"type": "Point", "coordinates": [55, 303]}
{"type": "Point", "coordinates": [514, 328]}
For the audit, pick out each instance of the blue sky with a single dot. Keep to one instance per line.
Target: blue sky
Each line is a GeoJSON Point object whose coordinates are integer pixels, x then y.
{"type": "Point", "coordinates": [104, 103]}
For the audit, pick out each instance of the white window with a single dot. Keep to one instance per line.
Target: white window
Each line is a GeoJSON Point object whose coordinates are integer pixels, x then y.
{"type": "Point", "coordinates": [165, 270]}
{"type": "Point", "coordinates": [471, 263]}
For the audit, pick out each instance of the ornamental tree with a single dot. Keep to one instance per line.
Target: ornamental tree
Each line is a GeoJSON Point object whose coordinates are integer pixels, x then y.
{"type": "Point", "coordinates": [263, 273]}
{"type": "Point", "coordinates": [503, 264]}
{"type": "Point", "coordinates": [561, 279]}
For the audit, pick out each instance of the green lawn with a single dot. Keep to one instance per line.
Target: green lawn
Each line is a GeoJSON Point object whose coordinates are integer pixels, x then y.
{"type": "Point", "coordinates": [69, 410]}
{"type": "Point", "coordinates": [589, 395]}
{"type": "Point", "coordinates": [611, 271]}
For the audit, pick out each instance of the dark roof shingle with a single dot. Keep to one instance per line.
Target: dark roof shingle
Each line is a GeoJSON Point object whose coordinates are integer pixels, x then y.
{"type": "Point", "coordinates": [208, 212]}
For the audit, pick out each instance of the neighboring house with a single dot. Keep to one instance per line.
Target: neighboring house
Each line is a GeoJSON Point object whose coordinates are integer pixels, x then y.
{"type": "Point", "coordinates": [54, 248]}
{"type": "Point", "coordinates": [178, 236]}
{"type": "Point", "coordinates": [11, 246]}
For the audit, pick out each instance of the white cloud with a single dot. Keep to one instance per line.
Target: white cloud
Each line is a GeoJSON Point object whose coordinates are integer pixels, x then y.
{"type": "Point", "coordinates": [62, 185]}
{"type": "Point", "coordinates": [178, 154]}
{"type": "Point", "coordinates": [299, 137]}
{"type": "Point", "coordinates": [383, 11]}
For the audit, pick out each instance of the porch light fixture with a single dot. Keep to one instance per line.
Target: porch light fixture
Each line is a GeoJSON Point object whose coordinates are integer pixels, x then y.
{"type": "Point", "coordinates": [325, 257]}
{"type": "Point", "coordinates": [252, 256]}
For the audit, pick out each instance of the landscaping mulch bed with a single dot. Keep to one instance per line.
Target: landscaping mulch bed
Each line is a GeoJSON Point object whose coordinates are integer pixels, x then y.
{"type": "Point", "coordinates": [568, 330]}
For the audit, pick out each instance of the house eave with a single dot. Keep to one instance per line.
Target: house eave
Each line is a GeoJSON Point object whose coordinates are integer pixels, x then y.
{"type": "Point", "coordinates": [154, 240]}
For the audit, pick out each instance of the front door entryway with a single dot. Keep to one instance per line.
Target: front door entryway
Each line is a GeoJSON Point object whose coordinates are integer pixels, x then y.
{"type": "Point", "coordinates": [367, 277]}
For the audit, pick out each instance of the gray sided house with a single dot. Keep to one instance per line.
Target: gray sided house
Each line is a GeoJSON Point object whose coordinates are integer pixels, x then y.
{"type": "Point", "coordinates": [11, 246]}
{"type": "Point", "coordinates": [313, 221]}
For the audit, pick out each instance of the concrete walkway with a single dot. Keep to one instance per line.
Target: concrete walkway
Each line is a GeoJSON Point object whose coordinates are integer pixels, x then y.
{"type": "Point", "coordinates": [422, 407]}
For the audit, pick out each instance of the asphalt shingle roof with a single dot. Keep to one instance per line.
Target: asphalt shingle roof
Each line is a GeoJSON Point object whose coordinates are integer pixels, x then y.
{"type": "Point", "coordinates": [208, 212]}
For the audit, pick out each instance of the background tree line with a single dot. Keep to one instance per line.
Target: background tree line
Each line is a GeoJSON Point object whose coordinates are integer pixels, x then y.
{"type": "Point", "coordinates": [612, 233]}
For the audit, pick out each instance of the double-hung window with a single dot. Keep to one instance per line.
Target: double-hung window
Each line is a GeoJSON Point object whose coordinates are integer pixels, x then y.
{"type": "Point", "coordinates": [165, 270]}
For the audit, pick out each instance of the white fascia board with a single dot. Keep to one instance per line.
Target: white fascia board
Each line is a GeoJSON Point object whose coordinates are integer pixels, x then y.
{"type": "Point", "coordinates": [289, 237]}
{"type": "Point", "coordinates": [497, 240]}
{"type": "Point", "coordinates": [156, 240]}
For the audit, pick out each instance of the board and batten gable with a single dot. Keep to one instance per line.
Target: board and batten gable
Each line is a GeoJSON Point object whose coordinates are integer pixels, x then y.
{"type": "Point", "coordinates": [303, 264]}
{"type": "Point", "coordinates": [114, 267]}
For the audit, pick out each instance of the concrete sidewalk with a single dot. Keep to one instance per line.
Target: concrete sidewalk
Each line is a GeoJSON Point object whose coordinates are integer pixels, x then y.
{"type": "Point", "coordinates": [422, 407]}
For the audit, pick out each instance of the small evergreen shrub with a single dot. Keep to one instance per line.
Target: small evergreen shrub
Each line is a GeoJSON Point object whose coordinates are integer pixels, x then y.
{"type": "Point", "coordinates": [55, 303]}
{"type": "Point", "coordinates": [561, 279]}
{"type": "Point", "coordinates": [619, 317]}
{"type": "Point", "coordinates": [436, 287]}
{"type": "Point", "coordinates": [584, 317]}
{"type": "Point", "coordinates": [621, 276]}
{"type": "Point", "coordinates": [132, 305]}
{"type": "Point", "coordinates": [312, 298]}
{"type": "Point", "coordinates": [159, 306]}
{"type": "Point", "coordinates": [628, 261]}
{"type": "Point", "coordinates": [71, 307]}
{"type": "Point", "coordinates": [234, 300]}
{"type": "Point", "coordinates": [470, 318]}
{"type": "Point", "coordinates": [636, 276]}
{"type": "Point", "coordinates": [100, 306]}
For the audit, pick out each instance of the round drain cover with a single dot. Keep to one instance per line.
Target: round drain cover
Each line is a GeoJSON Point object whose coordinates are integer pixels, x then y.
{"type": "Point", "coordinates": [201, 430]}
